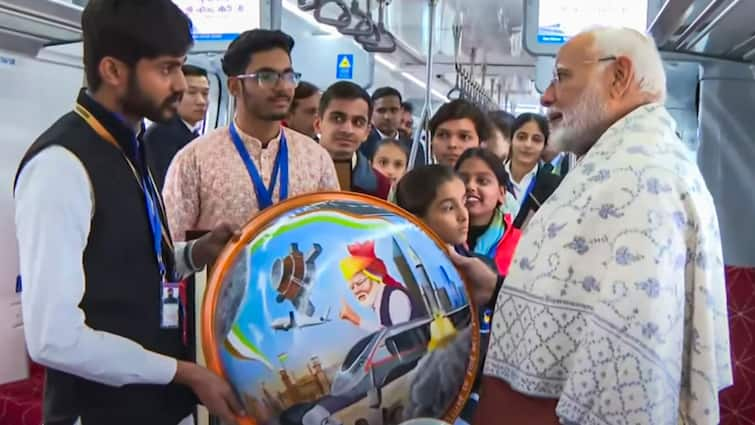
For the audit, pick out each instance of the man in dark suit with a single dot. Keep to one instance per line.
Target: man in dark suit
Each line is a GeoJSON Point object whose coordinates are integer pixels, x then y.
{"type": "Point", "coordinates": [406, 128]}
{"type": "Point", "coordinates": [386, 121]}
{"type": "Point", "coordinates": [343, 124]}
{"type": "Point", "coordinates": [163, 140]}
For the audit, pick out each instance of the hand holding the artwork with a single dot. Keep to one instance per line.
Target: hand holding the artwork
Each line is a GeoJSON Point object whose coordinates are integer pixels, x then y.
{"type": "Point", "coordinates": [213, 391]}
{"type": "Point", "coordinates": [482, 277]}
{"type": "Point", "coordinates": [207, 248]}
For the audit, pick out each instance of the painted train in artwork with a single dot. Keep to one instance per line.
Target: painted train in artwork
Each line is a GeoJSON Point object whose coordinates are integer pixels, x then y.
{"type": "Point", "coordinates": [343, 312]}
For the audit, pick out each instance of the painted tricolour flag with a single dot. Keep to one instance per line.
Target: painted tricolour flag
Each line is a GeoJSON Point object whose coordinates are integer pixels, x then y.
{"type": "Point", "coordinates": [240, 346]}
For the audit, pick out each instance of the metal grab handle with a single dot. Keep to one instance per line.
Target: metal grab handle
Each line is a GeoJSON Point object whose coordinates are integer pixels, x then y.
{"type": "Point", "coordinates": [343, 20]}
{"type": "Point", "coordinates": [365, 26]}
{"type": "Point", "coordinates": [454, 93]}
{"type": "Point", "coordinates": [457, 32]}
{"type": "Point", "coordinates": [426, 112]}
{"type": "Point", "coordinates": [307, 5]}
{"type": "Point", "coordinates": [386, 43]}
{"type": "Point", "coordinates": [381, 41]}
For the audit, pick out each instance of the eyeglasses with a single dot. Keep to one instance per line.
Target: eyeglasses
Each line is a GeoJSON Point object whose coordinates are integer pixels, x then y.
{"type": "Point", "coordinates": [272, 78]}
{"type": "Point", "coordinates": [560, 74]}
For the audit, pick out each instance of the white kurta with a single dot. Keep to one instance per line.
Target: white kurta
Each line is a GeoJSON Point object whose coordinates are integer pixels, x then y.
{"type": "Point", "coordinates": [615, 302]}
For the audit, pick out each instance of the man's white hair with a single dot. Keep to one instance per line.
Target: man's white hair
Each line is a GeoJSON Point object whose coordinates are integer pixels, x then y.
{"type": "Point", "coordinates": [641, 49]}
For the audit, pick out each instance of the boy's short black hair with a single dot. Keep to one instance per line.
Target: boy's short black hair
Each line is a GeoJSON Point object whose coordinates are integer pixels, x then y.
{"type": "Point", "coordinates": [407, 107]}
{"type": "Point", "coordinates": [492, 161]}
{"type": "Point", "coordinates": [386, 92]}
{"type": "Point", "coordinates": [503, 122]}
{"type": "Point", "coordinates": [392, 142]}
{"type": "Point", "coordinates": [344, 90]}
{"type": "Point", "coordinates": [240, 51]}
{"type": "Point", "coordinates": [193, 71]}
{"type": "Point", "coordinates": [460, 109]}
{"type": "Point", "coordinates": [131, 30]}
{"type": "Point", "coordinates": [304, 90]}
{"type": "Point", "coordinates": [419, 187]}
{"type": "Point", "coordinates": [540, 120]}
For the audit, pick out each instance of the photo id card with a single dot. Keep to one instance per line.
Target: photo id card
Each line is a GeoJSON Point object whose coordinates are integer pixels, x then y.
{"type": "Point", "coordinates": [171, 304]}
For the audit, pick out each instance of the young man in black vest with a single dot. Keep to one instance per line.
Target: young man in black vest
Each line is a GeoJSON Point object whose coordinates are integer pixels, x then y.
{"type": "Point", "coordinates": [96, 256]}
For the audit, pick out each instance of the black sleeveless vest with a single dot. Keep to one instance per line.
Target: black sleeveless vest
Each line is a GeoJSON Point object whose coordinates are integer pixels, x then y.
{"type": "Point", "coordinates": [122, 281]}
{"type": "Point", "coordinates": [385, 306]}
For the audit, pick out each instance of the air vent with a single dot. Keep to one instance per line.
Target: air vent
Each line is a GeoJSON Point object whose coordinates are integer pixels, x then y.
{"type": "Point", "coordinates": [28, 25]}
{"type": "Point", "coordinates": [704, 22]}
{"type": "Point", "coordinates": [719, 29]}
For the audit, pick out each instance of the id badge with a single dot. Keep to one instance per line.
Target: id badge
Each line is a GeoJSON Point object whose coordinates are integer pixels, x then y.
{"type": "Point", "coordinates": [171, 305]}
{"type": "Point", "coordinates": [487, 317]}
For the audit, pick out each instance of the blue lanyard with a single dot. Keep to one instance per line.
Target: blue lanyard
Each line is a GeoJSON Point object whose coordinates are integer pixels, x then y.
{"type": "Point", "coordinates": [557, 160]}
{"type": "Point", "coordinates": [155, 223]}
{"type": "Point", "coordinates": [264, 194]}
{"type": "Point", "coordinates": [150, 199]}
{"type": "Point", "coordinates": [143, 178]}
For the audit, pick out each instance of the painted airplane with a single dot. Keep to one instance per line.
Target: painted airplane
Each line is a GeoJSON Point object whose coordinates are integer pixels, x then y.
{"type": "Point", "coordinates": [287, 323]}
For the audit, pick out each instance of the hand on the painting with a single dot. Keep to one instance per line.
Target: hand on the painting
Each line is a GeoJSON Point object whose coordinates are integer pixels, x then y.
{"type": "Point", "coordinates": [482, 277]}
{"type": "Point", "coordinates": [207, 248]}
{"type": "Point", "coordinates": [213, 391]}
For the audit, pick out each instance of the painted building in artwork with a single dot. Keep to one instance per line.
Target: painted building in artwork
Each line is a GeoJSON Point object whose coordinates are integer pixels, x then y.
{"type": "Point", "coordinates": [418, 282]}
{"type": "Point", "coordinates": [309, 387]}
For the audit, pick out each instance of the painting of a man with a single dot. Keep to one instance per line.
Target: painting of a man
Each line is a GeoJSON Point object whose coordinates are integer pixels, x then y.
{"type": "Point", "coordinates": [368, 279]}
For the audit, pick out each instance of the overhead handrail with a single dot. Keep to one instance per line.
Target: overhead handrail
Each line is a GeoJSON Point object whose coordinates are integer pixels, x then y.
{"type": "Point", "coordinates": [382, 40]}
{"type": "Point", "coordinates": [456, 90]}
{"type": "Point", "coordinates": [473, 91]}
{"type": "Point", "coordinates": [742, 48]}
{"type": "Point", "coordinates": [466, 86]}
{"type": "Point", "coordinates": [472, 62]}
{"type": "Point", "coordinates": [342, 21]}
{"type": "Point", "coordinates": [696, 23]}
{"type": "Point", "coordinates": [374, 37]}
{"type": "Point", "coordinates": [669, 18]}
{"type": "Point", "coordinates": [484, 70]}
{"type": "Point", "coordinates": [709, 26]}
{"type": "Point", "coordinates": [307, 5]}
{"type": "Point", "coordinates": [364, 24]}
{"type": "Point", "coordinates": [424, 123]}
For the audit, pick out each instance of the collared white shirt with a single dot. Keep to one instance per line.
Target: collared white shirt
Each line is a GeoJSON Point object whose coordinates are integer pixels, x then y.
{"type": "Point", "coordinates": [383, 136]}
{"type": "Point", "coordinates": [52, 227]}
{"type": "Point", "coordinates": [520, 187]}
{"type": "Point", "coordinates": [193, 128]}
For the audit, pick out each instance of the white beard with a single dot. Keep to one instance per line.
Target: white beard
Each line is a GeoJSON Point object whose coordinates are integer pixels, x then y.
{"type": "Point", "coordinates": [576, 130]}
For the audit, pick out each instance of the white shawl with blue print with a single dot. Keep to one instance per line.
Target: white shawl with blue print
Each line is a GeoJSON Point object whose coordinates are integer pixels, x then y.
{"type": "Point", "coordinates": [615, 303]}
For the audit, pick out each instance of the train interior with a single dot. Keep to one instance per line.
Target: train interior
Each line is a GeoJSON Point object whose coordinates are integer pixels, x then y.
{"type": "Point", "coordinates": [431, 51]}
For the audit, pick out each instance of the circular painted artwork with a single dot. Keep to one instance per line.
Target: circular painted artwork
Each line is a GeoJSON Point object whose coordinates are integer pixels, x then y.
{"type": "Point", "coordinates": [339, 308]}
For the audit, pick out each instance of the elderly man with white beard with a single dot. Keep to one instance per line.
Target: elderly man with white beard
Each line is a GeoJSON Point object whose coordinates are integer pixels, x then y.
{"type": "Point", "coordinates": [614, 310]}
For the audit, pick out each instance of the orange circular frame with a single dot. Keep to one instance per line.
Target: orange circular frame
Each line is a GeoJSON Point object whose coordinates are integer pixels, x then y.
{"type": "Point", "coordinates": [225, 262]}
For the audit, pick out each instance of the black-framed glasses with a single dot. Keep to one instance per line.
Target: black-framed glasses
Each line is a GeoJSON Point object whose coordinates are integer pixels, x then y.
{"type": "Point", "coordinates": [272, 78]}
{"type": "Point", "coordinates": [560, 73]}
